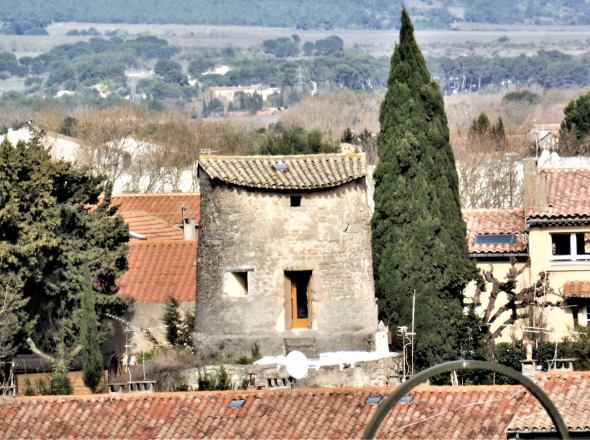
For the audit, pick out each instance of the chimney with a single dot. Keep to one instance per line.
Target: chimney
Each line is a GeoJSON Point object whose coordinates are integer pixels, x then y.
{"type": "Point", "coordinates": [534, 188]}
{"type": "Point", "coordinates": [189, 227]}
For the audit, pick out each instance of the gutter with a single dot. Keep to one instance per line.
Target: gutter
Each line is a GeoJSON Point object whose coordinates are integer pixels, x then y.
{"type": "Point", "coordinates": [557, 221]}
{"type": "Point", "coordinates": [500, 255]}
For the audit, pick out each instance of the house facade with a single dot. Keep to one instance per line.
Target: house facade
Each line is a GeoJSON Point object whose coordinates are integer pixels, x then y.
{"type": "Point", "coordinates": [549, 237]}
{"type": "Point", "coordinates": [284, 254]}
{"type": "Point", "coordinates": [162, 264]}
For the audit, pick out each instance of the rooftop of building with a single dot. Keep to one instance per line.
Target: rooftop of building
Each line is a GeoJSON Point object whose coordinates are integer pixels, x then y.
{"type": "Point", "coordinates": [297, 172]}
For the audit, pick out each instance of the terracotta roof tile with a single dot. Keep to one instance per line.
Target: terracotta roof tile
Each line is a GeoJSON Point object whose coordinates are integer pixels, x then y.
{"type": "Point", "coordinates": [160, 269]}
{"type": "Point", "coordinates": [165, 206]}
{"type": "Point", "coordinates": [151, 226]}
{"type": "Point", "coordinates": [568, 193]}
{"type": "Point", "coordinates": [302, 172]}
{"type": "Point", "coordinates": [495, 221]}
{"type": "Point", "coordinates": [435, 412]}
{"type": "Point", "coordinates": [576, 289]}
{"type": "Point", "coordinates": [571, 394]}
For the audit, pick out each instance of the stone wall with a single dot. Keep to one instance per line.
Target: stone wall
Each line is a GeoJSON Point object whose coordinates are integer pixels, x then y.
{"type": "Point", "coordinates": [259, 232]}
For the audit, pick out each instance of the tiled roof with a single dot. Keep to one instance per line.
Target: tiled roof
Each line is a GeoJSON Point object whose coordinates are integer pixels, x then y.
{"type": "Point", "coordinates": [435, 412]}
{"type": "Point", "coordinates": [32, 363]}
{"type": "Point", "coordinates": [152, 227]}
{"type": "Point", "coordinates": [302, 172]}
{"type": "Point", "coordinates": [165, 206]}
{"type": "Point", "coordinates": [571, 394]}
{"type": "Point", "coordinates": [576, 289]}
{"type": "Point", "coordinates": [568, 193]}
{"type": "Point", "coordinates": [160, 269]}
{"type": "Point", "coordinates": [495, 221]}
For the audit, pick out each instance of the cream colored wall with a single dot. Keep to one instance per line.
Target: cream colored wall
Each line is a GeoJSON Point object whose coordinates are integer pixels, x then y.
{"type": "Point", "coordinates": [500, 270]}
{"type": "Point", "coordinates": [560, 320]}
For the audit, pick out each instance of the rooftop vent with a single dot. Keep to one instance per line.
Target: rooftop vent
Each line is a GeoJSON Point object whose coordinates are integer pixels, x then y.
{"type": "Point", "coordinates": [280, 166]}
{"type": "Point", "coordinates": [374, 400]}
{"type": "Point", "coordinates": [237, 403]}
{"type": "Point", "coordinates": [495, 239]}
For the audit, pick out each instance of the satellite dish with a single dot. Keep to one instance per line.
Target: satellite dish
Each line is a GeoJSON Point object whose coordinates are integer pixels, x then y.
{"type": "Point", "coordinates": [297, 364]}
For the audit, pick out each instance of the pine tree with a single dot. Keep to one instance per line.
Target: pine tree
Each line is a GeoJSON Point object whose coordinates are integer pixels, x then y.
{"type": "Point", "coordinates": [172, 321]}
{"type": "Point", "coordinates": [92, 364]}
{"type": "Point", "coordinates": [418, 233]}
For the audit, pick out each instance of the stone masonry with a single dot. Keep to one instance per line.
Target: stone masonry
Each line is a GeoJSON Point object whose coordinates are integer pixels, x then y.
{"type": "Point", "coordinates": [256, 235]}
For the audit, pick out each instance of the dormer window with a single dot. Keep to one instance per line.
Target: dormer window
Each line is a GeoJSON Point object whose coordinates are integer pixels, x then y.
{"type": "Point", "coordinates": [570, 247]}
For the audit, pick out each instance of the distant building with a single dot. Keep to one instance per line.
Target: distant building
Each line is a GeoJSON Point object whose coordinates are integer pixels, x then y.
{"type": "Point", "coordinates": [284, 254]}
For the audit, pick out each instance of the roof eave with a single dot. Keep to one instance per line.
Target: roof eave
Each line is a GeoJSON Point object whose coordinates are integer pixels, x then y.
{"type": "Point", "coordinates": [557, 221]}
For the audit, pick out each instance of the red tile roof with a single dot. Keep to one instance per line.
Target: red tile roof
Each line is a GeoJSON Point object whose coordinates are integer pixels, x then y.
{"type": "Point", "coordinates": [571, 394]}
{"type": "Point", "coordinates": [160, 269]}
{"type": "Point", "coordinates": [568, 193]}
{"type": "Point", "coordinates": [576, 289]}
{"type": "Point", "coordinates": [165, 206]}
{"type": "Point", "coordinates": [152, 227]}
{"type": "Point", "coordinates": [495, 221]}
{"type": "Point", "coordinates": [435, 412]}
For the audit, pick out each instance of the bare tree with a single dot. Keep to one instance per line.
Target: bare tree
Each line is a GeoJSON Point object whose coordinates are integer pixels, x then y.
{"type": "Point", "coordinates": [108, 139]}
{"type": "Point", "coordinates": [520, 303]}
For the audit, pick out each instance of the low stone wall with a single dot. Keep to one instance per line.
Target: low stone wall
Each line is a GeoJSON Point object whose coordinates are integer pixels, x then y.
{"type": "Point", "coordinates": [383, 372]}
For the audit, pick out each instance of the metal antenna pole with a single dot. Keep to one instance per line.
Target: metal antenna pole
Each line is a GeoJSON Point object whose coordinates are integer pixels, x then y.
{"type": "Point", "coordinates": [413, 314]}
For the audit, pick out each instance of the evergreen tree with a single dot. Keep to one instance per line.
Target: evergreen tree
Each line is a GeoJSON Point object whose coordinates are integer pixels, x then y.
{"type": "Point", "coordinates": [480, 127]}
{"type": "Point", "coordinates": [50, 241]}
{"type": "Point", "coordinates": [499, 132]}
{"type": "Point", "coordinates": [92, 364]}
{"type": "Point", "coordinates": [172, 321]}
{"type": "Point", "coordinates": [418, 233]}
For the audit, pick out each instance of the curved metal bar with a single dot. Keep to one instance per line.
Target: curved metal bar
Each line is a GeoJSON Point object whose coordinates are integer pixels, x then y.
{"type": "Point", "coordinates": [387, 405]}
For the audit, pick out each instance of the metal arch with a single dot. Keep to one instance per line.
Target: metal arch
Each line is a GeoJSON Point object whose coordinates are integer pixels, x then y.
{"type": "Point", "coordinates": [388, 404]}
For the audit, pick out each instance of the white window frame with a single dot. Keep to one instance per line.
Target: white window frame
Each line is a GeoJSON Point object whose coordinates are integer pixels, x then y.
{"type": "Point", "coordinates": [583, 316]}
{"type": "Point", "coordinates": [573, 256]}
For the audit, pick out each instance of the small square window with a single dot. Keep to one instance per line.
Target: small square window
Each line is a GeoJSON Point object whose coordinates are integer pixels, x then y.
{"type": "Point", "coordinates": [295, 201]}
{"type": "Point", "coordinates": [236, 283]}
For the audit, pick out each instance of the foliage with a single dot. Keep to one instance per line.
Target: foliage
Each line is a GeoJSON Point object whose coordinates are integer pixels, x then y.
{"type": "Point", "coordinates": [278, 139]}
{"type": "Point", "coordinates": [254, 356]}
{"type": "Point", "coordinates": [50, 242]}
{"type": "Point", "coordinates": [246, 102]}
{"type": "Point", "coordinates": [522, 96]}
{"type": "Point", "coordinates": [25, 26]}
{"type": "Point", "coordinates": [575, 128]}
{"type": "Point", "coordinates": [326, 46]}
{"type": "Point", "coordinates": [214, 381]}
{"type": "Point", "coordinates": [281, 47]}
{"type": "Point", "coordinates": [60, 381]}
{"type": "Point", "coordinates": [178, 328]}
{"type": "Point", "coordinates": [417, 229]}
{"type": "Point", "coordinates": [12, 316]}
{"type": "Point", "coordinates": [481, 131]}
{"type": "Point", "coordinates": [171, 72]}
{"type": "Point", "coordinates": [92, 362]}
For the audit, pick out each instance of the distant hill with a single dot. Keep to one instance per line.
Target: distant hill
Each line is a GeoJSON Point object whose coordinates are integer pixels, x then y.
{"type": "Point", "coordinates": [302, 14]}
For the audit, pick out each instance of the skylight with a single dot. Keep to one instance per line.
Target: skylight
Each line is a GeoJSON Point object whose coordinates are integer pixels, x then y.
{"type": "Point", "coordinates": [406, 399]}
{"type": "Point", "coordinates": [374, 400]}
{"type": "Point", "coordinates": [495, 239]}
{"type": "Point", "coordinates": [237, 403]}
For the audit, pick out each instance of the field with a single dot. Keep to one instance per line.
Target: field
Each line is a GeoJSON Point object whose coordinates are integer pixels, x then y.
{"type": "Point", "coordinates": [462, 41]}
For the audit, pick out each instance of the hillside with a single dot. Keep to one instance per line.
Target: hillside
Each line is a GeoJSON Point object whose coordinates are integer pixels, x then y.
{"type": "Point", "coordinates": [301, 14]}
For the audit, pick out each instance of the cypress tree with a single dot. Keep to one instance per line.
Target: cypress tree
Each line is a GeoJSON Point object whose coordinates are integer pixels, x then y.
{"type": "Point", "coordinates": [418, 232]}
{"type": "Point", "coordinates": [92, 364]}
